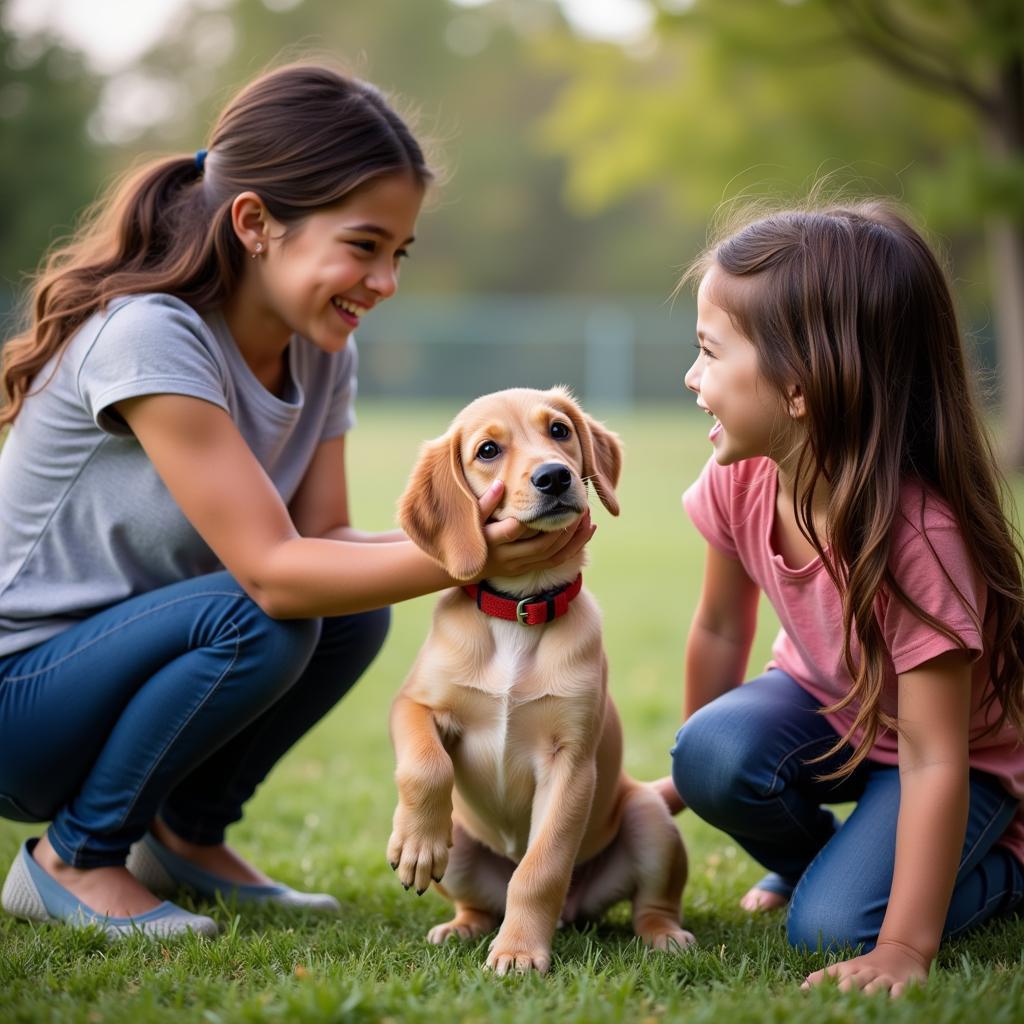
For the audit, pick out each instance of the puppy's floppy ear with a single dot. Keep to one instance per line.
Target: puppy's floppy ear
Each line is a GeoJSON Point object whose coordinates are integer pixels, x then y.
{"type": "Point", "coordinates": [439, 511]}
{"type": "Point", "coordinates": [602, 451]}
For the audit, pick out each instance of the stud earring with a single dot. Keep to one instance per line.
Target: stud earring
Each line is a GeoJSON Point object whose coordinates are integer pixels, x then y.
{"type": "Point", "coordinates": [259, 249]}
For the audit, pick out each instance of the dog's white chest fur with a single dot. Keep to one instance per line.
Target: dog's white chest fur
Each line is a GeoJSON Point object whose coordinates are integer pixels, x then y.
{"type": "Point", "coordinates": [514, 652]}
{"type": "Point", "coordinates": [493, 753]}
{"type": "Point", "coordinates": [515, 648]}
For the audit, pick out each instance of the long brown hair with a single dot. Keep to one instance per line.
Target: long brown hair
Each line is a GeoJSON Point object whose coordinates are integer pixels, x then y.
{"type": "Point", "coordinates": [850, 304]}
{"type": "Point", "coordinates": [302, 137]}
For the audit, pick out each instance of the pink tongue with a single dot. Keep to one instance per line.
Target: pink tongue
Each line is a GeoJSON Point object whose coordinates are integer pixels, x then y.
{"type": "Point", "coordinates": [715, 431]}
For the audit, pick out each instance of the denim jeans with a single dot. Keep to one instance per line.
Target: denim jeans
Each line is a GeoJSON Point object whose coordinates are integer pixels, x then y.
{"type": "Point", "coordinates": [740, 763]}
{"type": "Point", "coordinates": [178, 701]}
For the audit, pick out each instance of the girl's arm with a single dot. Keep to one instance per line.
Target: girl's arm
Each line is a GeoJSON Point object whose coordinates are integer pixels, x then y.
{"type": "Point", "coordinates": [718, 644]}
{"type": "Point", "coordinates": [223, 491]}
{"type": "Point", "coordinates": [934, 717]}
{"type": "Point", "coordinates": [722, 631]}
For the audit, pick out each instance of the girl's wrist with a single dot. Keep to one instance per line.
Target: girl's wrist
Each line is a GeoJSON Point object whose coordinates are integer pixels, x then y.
{"type": "Point", "coordinates": [911, 950]}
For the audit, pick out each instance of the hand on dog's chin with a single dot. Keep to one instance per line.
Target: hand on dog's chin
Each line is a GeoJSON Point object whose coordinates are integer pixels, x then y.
{"type": "Point", "coordinates": [529, 532]}
{"type": "Point", "coordinates": [534, 527]}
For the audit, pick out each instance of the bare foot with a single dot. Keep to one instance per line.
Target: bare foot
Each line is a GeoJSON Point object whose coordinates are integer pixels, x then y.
{"type": "Point", "coordinates": [761, 899]}
{"type": "Point", "coordinates": [112, 891]}
{"type": "Point", "coordinates": [666, 789]}
{"type": "Point", "coordinates": [219, 860]}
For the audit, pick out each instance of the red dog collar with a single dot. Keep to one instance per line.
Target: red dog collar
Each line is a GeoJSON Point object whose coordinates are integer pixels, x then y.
{"type": "Point", "coordinates": [528, 611]}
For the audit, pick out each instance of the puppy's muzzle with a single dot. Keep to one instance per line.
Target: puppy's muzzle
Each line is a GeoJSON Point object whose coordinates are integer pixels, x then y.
{"type": "Point", "coordinates": [558, 500]}
{"type": "Point", "coordinates": [552, 479]}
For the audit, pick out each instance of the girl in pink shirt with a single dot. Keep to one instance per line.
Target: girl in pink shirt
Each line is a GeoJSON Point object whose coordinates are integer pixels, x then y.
{"type": "Point", "coordinates": [852, 483]}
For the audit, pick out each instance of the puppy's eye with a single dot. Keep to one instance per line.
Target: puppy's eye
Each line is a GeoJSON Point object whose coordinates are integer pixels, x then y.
{"type": "Point", "coordinates": [487, 451]}
{"type": "Point", "coordinates": [559, 431]}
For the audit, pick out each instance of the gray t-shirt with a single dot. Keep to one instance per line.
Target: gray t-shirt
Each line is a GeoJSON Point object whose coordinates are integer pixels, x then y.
{"type": "Point", "coordinates": [85, 521]}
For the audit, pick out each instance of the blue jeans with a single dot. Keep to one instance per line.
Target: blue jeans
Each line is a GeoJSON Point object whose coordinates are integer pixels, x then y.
{"type": "Point", "coordinates": [740, 763]}
{"type": "Point", "coordinates": [178, 701]}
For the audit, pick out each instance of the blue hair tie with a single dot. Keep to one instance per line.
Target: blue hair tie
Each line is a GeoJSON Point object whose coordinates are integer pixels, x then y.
{"type": "Point", "coordinates": [200, 160]}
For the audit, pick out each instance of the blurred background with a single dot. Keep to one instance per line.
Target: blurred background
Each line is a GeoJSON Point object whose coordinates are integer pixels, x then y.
{"type": "Point", "coordinates": [587, 146]}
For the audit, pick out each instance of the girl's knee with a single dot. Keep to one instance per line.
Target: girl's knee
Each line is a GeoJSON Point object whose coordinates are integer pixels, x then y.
{"type": "Point", "coordinates": [374, 628]}
{"type": "Point", "coordinates": [346, 646]}
{"type": "Point", "coordinates": [263, 648]}
{"type": "Point", "coordinates": [708, 764]}
{"type": "Point", "coordinates": [356, 638]}
{"type": "Point", "coordinates": [292, 641]}
{"type": "Point", "coordinates": [823, 917]}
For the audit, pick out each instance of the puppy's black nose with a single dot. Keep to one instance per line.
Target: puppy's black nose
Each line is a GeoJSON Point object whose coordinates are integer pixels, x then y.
{"type": "Point", "coordinates": [552, 478]}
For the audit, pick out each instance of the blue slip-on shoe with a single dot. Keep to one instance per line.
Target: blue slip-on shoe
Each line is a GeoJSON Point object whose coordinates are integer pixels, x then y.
{"type": "Point", "coordinates": [162, 871]}
{"type": "Point", "coordinates": [30, 892]}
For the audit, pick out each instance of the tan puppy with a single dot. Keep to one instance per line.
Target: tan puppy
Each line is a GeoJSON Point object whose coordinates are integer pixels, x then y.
{"type": "Point", "coordinates": [509, 748]}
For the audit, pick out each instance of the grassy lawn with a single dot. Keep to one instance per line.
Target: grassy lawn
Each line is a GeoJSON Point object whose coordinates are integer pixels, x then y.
{"type": "Point", "coordinates": [323, 819]}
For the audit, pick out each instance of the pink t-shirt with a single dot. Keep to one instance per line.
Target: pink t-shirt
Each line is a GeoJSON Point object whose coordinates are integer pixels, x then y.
{"type": "Point", "coordinates": [734, 508]}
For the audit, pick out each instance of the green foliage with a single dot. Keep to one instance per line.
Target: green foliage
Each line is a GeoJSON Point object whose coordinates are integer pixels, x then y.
{"type": "Point", "coordinates": [48, 165]}
{"type": "Point", "coordinates": [471, 80]}
{"type": "Point", "coordinates": [777, 90]}
{"type": "Point", "coordinates": [323, 817]}
{"type": "Point", "coordinates": [572, 166]}
{"type": "Point", "coordinates": [498, 222]}
{"type": "Point", "coordinates": [762, 99]}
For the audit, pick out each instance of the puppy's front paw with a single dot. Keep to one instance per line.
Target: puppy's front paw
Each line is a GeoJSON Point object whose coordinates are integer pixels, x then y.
{"type": "Point", "coordinates": [418, 850]}
{"type": "Point", "coordinates": [510, 952]}
{"type": "Point", "coordinates": [669, 938]}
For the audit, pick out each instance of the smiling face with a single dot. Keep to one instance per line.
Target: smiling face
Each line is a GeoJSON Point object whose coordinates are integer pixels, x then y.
{"type": "Point", "coordinates": [751, 417]}
{"type": "Point", "coordinates": [320, 276]}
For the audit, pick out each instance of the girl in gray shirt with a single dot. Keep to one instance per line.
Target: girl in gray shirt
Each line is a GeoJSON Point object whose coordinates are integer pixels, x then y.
{"type": "Point", "coordinates": [181, 593]}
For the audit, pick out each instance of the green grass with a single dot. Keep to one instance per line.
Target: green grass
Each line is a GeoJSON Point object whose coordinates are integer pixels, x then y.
{"type": "Point", "coordinates": [322, 820]}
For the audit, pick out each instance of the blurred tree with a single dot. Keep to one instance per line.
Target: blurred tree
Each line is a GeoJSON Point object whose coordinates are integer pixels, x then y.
{"type": "Point", "coordinates": [751, 97]}
{"type": "Point", "coordinates": [48, 167]}
{"type": "Point", "coordinates": [574, 167]}
{"type": "Point", "coordinates": [499, 223]}
{"type": "Point", "coordinates": [973, 52]}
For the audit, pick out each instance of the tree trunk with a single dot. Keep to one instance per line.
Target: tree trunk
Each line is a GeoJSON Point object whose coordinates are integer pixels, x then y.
{"type": "Point", "coordinates": [1005, 241]}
